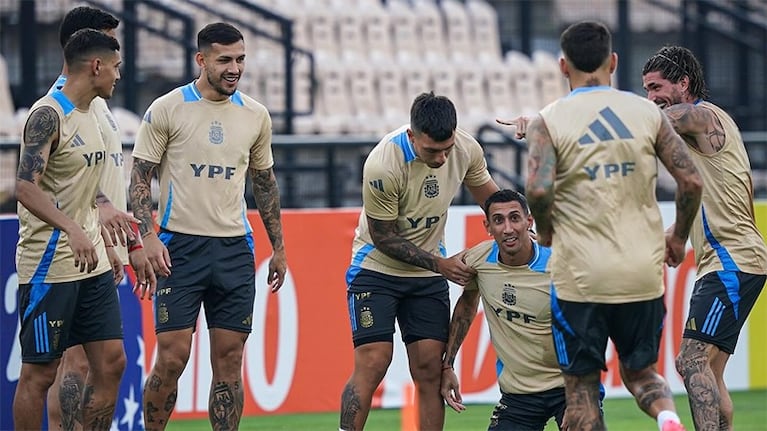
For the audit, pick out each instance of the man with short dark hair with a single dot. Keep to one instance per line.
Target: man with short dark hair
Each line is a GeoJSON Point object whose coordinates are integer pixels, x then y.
{"type": "Point", "coordinates": [202, 140]}
{"type": "Point", "coordinates": [591, 189]}
{"type": "Point", "coordinates": [67, 294]}
{"type": "Point", "coordinates": [399, 269]}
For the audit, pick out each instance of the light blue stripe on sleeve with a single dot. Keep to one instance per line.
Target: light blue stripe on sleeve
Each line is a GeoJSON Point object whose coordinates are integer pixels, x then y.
{"type": "Point", "coordinates": [190, 93]}
{"type": "Point", "coordinates": [66, 105]}
{"type": "Point", "coordinates": [236, 98]}
{"type": "Point", "coordinates": [168, 207]}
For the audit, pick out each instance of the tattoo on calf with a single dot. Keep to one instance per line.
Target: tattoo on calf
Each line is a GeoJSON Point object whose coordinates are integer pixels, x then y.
{"type": "Point", "coordinates": [350, 407]}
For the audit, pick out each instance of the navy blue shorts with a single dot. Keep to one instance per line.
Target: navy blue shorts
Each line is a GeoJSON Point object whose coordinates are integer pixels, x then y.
{"type": "Point", "coordinates": [219, 273]}
{"type": "Point", "coordinates": [720, 303]}
{"type": "Point", "coordinates": [421, 306]}
{"type": "Point", "coordinates": [55, 316]}
{"type": "Point", "coordinates": [581, 331]}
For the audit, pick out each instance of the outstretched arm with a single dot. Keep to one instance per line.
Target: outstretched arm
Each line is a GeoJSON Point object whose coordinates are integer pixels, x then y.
{"type": "Point", "coordinates": [267, 196]}
{"type": "Point", "coordinates": [387, 239]}
{"type": "Point", "coordinates": [542, 171]}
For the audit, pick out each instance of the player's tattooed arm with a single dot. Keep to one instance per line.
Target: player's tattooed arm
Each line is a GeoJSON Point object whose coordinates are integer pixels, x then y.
{"type": "Point", "coordinates": [40, 137]}
{"type": "Point", "coordinates": [140, 192]}
{"type": "Point", "coordinates": [387, 239]}
{"type": "Point", "coordinates": [673, 153]}
{"type": "Point", "coordinates": [267, 195]}
{"type": "Point", "coordinates": [542, 163]}
{"type": "Point", "coordinates": [698, 126]}
{"type": "Point", "coordinates": [463, 314]}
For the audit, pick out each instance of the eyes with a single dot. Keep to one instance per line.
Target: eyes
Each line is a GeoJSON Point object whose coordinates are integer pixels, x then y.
{"type": "Point", "coordinates": [514, 218]}
{"type": "Point", "coordinates": [225, 60]}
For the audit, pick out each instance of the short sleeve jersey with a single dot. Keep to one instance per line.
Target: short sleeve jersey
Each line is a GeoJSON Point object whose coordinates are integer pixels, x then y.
{"type": "Point", "coordinates": [204, 149]}
{"type": "Point", "coordinates": [112, 178]}
{"type": "Point", "coordinates": [70, 181]}
{"type": "Point", "coordinates": [517, 306]}
{"type": "Point", "coordinates": [725, 236]}
{"type": "Point", "coordinates": [397, 185]}
{"type": "Point", "coordinates": [608, 238]}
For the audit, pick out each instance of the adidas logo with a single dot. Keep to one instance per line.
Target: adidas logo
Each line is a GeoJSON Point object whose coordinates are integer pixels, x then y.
{"type": "Point", "coordinates": [605, 128]}
{"type": "Point", "coordinates": [77, 142]}
{"type": "Point", "coordinates": [377, 184]}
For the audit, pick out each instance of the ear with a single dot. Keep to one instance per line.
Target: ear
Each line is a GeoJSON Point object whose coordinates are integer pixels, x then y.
{"type": "Point", "coordinates": [487, 226]}
{"type": "Point", "coordinates": [199, 59]}
{"type": "Point", "coordinates": [563, 67]}
{"type": "Point", "coordinates": [96, 66]}
{"type": "Point", "coordinates": [685, 83]}
{"type": "Point", "coordinates": [613, 62]}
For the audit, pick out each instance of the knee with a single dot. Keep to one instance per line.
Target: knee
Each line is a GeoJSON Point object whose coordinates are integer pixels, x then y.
{"type": "Point", "coordinates": [112, 363]}
{"type": "Point", "coordinates": [75, 361]}
{"type": "Point", "coordinates": [426, 371]}
{"type": "Point", "coordinates": [227, 362]}
{"type": "Point", "coordinates": [689, 360]}
{"type": "Point", "coordinates": [372, 366]}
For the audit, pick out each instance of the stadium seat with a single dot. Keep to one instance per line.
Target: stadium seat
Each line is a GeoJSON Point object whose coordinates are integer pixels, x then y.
{"type": "Point", "coordinates": [333, 103]}
{"type": "Point", "coordinates": [430, 31]}
{"type": "Point", "coordinates": [484, 24]}
{"type": "Point", "coordinates": [377, 29]}
{"type": "Point", "coordinates": [394, 101]}
{"type": "Point", "coordinates": [551, 83]}
{"type": "Point", "coordinates": [526, 99]}
{"type": "Point", "coordinates": [500, 91]}
{"type": "Point", "coordinates": [364, 99]}
{"type": "Point", "coordinates": [323, 33]}
{"type": "Point", "coordinates": [459, 34]}
{"type": "Point", "coordinates": [128, 121]}
{"type": "Point", "coordinates": [473, 110]}
{"type": "Point", "coordinates": [407, 43]}
{"type": "Point", "coordinates": [351, 39]}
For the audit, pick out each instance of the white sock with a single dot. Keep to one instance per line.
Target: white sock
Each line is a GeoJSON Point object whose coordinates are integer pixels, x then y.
{"type": "Point", "coordinates": [666, 415]}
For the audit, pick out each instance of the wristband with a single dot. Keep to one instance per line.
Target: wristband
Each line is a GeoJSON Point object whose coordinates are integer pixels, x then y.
{"type": "Point", "coordinates": [134, 247]}
{"type": "Point", "coordinates": [446, 367]}
{"type": "Point", "coordinates": [108, 245]}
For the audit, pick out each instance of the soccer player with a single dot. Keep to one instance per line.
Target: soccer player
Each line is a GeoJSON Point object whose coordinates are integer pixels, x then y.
{"type": "Point", "coordinates": [730, 254]}
{"type": "Point", "coordinates": [203, 139]}
{"type": "Point", "coordinates": [398, 268]}
{"type": "Point", "coordinates": [513, 282]}
{"type": "Point", "coordinates": [67, 293]}
{"type": "Point", "coordinates": [67, 389]}
{"type": "Point", "coordinates": [591, 189]}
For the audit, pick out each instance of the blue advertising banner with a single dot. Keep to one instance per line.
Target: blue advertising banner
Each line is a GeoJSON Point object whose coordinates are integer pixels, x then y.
{"type": "Point", "coordinates": [128, 415]}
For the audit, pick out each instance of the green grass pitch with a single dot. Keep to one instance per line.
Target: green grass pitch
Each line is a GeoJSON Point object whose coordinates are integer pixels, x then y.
{"type": "Point", "coordinates": [620, 414]}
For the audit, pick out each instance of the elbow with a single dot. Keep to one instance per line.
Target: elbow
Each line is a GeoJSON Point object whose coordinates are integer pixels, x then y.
{"type": "Point", "coordinates": [23, 191]}
{"type": "Point", "coordinates": [694, 185]}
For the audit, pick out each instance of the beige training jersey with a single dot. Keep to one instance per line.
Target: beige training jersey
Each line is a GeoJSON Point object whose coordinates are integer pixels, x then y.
{"type": "Point", "coordinates": [204, 149]}
{"type": "Point", "coordinates": [517, 303]}
{"type": "Point", "coordinates": [397, 185]}
{"type": "Point", "coordinates": [71, 180]}
{"type": "Point", "coordinates": [725, 236]}
{"type": "Point", "coordinates": [112, 178]}
{"type": "Point", "coordinates": [608, 238]}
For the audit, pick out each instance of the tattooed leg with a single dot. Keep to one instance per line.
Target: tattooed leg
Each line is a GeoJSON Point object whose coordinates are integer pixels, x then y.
{"type": "Point", "coordinates": [70, 396]}
{"type": "Point", "coordinates": [582, 394]}
{"type": "Point", "coordinates": [650, 390]}
{"type": "Point", "coordinates": [161, 387]}
{"type": "Point", "coordinates": [370, 364]}
{"type": "Point", "coordinates": [225, 405]}
{"type": "Point", "coordinates": [107, 363]}
{"type": "Point", "coordinates": [701, 384]}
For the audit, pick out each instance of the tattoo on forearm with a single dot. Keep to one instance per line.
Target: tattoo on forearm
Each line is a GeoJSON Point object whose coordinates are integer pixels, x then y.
{"type": "Point", "coordinates": [42, 127]}
{"type": "Point", "coordinates": [542, 163]}
{"type": "Point", "coordinates": [463, 315]}
{"type": "Point", "coordinates": [225, 406]}
{"type": "Point", "coordinates": [267, 196]}
{"type": "Point", "coordinates": [387, 239]}
{"type": "Point", "coordinates": [350, 407]}
{"type": "Point", "coordinates": [141, 193]}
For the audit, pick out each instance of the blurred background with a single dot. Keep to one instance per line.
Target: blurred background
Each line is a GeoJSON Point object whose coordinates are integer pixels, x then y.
{"type": "Point", "coordinates": [338, 74]}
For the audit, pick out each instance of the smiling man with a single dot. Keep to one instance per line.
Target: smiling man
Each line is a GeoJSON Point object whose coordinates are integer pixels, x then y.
{"type": "Point", "coordinates": [203, 140]}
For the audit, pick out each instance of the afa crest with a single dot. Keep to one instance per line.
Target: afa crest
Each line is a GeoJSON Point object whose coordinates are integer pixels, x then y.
{"type": "Point", "coordinates": [366, 317]}
{"type": "Point", "coordinates": [216, 133]}
{"type": "Point", "coordinates": [509, 295]}
{"type": "Point", "coordinates": [431, 187]}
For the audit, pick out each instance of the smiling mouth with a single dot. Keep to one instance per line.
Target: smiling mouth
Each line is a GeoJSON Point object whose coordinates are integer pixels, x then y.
{"type": "Point", "coordinates": [231, 79]}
